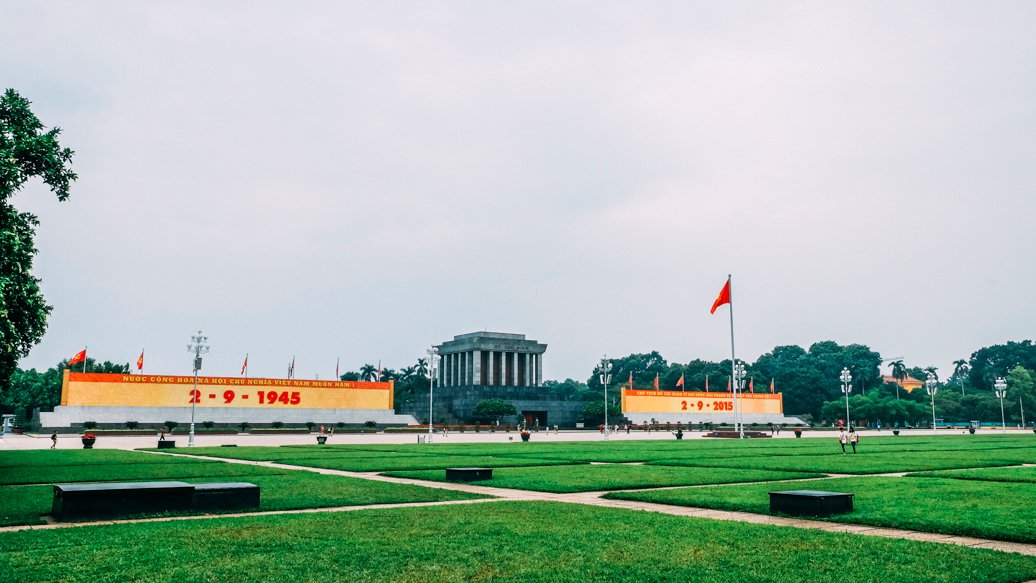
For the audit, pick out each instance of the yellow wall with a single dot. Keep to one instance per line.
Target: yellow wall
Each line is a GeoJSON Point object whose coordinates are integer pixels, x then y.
{"type": "Point", "coordinates": [124, 390]}
{"type": "Point", "coordinates": [638, 401]}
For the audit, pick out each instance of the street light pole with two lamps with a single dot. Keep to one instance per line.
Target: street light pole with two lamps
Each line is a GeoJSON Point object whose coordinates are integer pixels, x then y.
{"type": "Point", "coordinates": [198, 346]}
{"type": "Point", "coordinates": [606, 377]}
{"type": "Point", "coordinates": [846, 378]}
{"type": "Point", "coordinates": [931, 386]}
{"type": "Point", "coordinates": [1000, 390]}
{"type": "Point", "coordinates": [433, 361]}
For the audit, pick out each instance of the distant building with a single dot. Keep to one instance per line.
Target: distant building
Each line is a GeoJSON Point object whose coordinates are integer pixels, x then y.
{"type": "Point", "coordinates": [485, 365]}
{"type": "Point", "coordinates": [909, 383]}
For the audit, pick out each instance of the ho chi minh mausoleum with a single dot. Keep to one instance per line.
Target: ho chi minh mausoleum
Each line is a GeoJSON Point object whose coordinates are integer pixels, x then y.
{"type": "Point", "coordinates": [485, 365]}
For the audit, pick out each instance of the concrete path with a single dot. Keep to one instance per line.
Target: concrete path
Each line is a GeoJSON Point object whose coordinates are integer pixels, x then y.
{"type": "Point", "coordinates": [588, 498]}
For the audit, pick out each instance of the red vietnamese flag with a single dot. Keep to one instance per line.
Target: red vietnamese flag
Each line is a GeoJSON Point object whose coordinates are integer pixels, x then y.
{"type": "Point", "coordinates": [79, 357]}
{"type": "Point", "coordinates": [140, 360]}
{"type": "Point", "coordinates": [679, 383]}
{"type": "Point", "coordinates": [724, 297]}
{"type": "Point", "coordinates": [751, 385]}
{"type": "Point", "coordinates": [656, 381]}
{"type": "Point", "coordinates": [631, 380]}
{"type": "Point", "coordinates": [771, 385]}
{"type": "Point", "coordinates": [244, 365]}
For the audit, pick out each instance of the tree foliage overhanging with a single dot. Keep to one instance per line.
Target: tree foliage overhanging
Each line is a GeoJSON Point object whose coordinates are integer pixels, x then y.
{"type": "Point", "coordinates": [27, 150]}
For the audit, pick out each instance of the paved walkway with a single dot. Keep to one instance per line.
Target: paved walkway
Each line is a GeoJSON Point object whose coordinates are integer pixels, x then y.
{"type": "Point", "coordinates": [589, 498]}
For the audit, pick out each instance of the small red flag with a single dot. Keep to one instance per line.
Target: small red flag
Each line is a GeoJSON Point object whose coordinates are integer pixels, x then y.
{"type": "Point", "coordinates": [631, 380]}
{"type": "Point", "coordinates": [751, 385]}
{"type": "Point", "coordinates": [244, 365]}
{"type": "Point", "coordinates": [679, 383]}
{"type": "Point", "coordinates": [706, 383]}
{"type": "Point", "coordinates": [656, 381]}
{"type": "Point", "coordinates": [771, 385]}
{"type": "Point", "coordinates": [140, 360]}
{"type": "Point", "coordinates": [724, 297]}
{"type": "Point", "coordinates": [728, 384]}
{"type": "Point", "coordinates": [79, 357]}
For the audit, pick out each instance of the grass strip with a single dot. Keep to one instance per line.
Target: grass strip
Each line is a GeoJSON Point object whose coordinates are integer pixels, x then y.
{"type": "Point", "coordinates": [993, 510]}
{"type": "Point", "coordinates": [588, 478]}
{"type": "Point", "coordinates": [507, 541]}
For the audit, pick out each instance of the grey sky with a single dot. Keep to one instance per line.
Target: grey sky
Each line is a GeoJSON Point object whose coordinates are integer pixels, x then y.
{"type": "Point", "coordinates": [365, 179]}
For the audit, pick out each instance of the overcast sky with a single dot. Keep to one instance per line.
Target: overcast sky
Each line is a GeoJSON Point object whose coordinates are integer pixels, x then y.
{"type": "Point", "coordinates": [364, 179]}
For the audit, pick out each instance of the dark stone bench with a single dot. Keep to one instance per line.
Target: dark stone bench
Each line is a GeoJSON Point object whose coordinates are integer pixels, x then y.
{"type": "Point", "coordinates": [225, 496]}
{"type": "Point", "coordinates": [811, 502]}
{"type": "Point", "coordinates": [113, 499]}
{"type": "Point", "coordinates": [119, 498]}
{"type": "Point", "coordinates": [468, 474]}
{"type": "Point", "coordinates": [166, 444]}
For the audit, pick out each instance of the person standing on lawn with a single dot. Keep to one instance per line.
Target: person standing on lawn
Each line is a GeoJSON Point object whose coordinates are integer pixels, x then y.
{"type": "Point", "coordinates": [853, 439]}
{"type": "Point", "coordinates": [842, 438]}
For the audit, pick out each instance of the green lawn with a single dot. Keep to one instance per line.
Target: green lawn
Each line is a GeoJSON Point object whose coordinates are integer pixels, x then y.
{"type": "Point", "coordinates": [586, 478]}
{"type": "Point", "coordinates": [995, 510]}
{"type": "Point", "coordinates": [1025, 474]}
{"type": "Point", "coordinates": [281, 489]}
{"type": "Point", "coordinates": [510, 541]}
{"type": "Point", "coordinates": [866, 461]}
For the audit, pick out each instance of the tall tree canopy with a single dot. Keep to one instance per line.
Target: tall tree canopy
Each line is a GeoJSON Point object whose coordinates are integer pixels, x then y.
{"type": "Point", "coordinates": [27, 150]}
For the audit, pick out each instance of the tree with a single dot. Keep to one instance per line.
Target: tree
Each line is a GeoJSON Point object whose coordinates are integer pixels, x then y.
{"type": "Point", "coordinates": [1021, 388]}
{"type": "Point", "coordinates": [593, 413]}
{"type": "Point", "coordinates": [493, 410]}
{"type": "Point", "coordinates": [26, 151]}
{"type": "Point", "coordinates": [29, 389]}
{"type": "Point", "coordinates": [368, 372]}
{"type": "Point", "coordinates": [960, 370]}
{"type": "Point", "coordinates": [996, 361]}
{"type": "Point", "coordinates": [899, 372]}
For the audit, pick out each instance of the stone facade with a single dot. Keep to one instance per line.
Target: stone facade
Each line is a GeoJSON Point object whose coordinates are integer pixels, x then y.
{"type": "Point", "coordinates": [485, 365]}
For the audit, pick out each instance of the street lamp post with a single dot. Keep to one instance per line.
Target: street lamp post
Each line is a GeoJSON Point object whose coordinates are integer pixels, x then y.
{"type": "Point", "coordinates": [606, 377]}
{"type": "Point", "coordinates": [433, 360]}
{"type": "Point", "coordinates": [739, 386]}
{"type": "Point", "coordinates": [931, 386]}
{"type": "Point", "coordinates": [1000, 390]}
{"type": "Point", "coordinates": [198, 346]}
{"type": "Point", "coordinates": [847, 388]}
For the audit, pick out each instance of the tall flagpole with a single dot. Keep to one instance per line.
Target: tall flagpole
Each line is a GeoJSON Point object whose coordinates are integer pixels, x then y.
{"type": "Point", "coordinates": [86, 351]}
{"type": "Point", "coordinates": [733, 362]}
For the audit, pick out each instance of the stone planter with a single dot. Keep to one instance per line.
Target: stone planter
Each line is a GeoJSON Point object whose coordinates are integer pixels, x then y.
{"type": "Point", "coordinates": [526, 435]}
{"type": "Point", "coordinates": [971, 430]}
{"type": "Point", "coordinates": [89, 443]}
{"type": "Point", "coordinates": [895, 432]}
{"type": "Point", "coordinates": [798, 433]}
{"type": "Point", "coordinates": [321, 439]}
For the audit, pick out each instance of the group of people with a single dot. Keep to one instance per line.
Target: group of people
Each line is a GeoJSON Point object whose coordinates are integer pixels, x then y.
{"type": "Point", "coordinates": [616, 429]}
{"type": "Point", "coordinates": [851, 438]}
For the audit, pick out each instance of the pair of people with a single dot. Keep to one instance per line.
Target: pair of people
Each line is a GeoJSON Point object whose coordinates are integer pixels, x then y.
{"type": "Point", "coordinates": [851, 438]}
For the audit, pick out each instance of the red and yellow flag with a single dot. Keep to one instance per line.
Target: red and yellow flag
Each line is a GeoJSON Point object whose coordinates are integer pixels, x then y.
{"type": "Point", "coordinates": [140, 360]}
{"type": "Point", "coordinates": [679, 383]}
{"type": "Point", "coordinates": [771, 385]}
{"type": "Point", "coordinates": [79, 357]}
{"type": "Point", "coordinates": [656, 381]}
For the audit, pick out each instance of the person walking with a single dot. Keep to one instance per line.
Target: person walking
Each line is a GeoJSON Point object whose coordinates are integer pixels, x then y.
{"type": "Point", "coordinates": [54, 440]}
{"type": "Point", "coordinates": [853, 439]}
{"type": "Point", "coordinates": [842, 438]}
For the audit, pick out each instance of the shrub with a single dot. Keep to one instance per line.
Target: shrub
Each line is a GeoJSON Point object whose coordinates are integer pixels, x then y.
{"type": "Point", "coordinates": [310, 425]}
{"type": "Point", "coordinates": [89, 425]}
{"type": "Point", "coordinates": [370, 423]}
{"type": "Point", "coordinates": [132, 424]}
{"type": "Point", "coordinates": [244, 426]}
{"type": "Point", "coordinates": [277, 424]}
{"type": "Point", "coordinates": [208, 424]}
{"type": "Point", "coordinates": [171, 425]}
{"type": "Point", "coordinates": [340, 424]}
